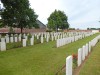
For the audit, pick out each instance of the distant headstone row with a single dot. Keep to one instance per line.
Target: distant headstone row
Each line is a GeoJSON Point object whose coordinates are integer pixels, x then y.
{"type": "Point", "coordinates": [67, 40]}
{"type": "Point", "coordinates": [63, 38]}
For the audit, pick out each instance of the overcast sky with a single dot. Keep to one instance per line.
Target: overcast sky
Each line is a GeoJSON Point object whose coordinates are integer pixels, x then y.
{"type": "Point", "coordinates": [81, 13]}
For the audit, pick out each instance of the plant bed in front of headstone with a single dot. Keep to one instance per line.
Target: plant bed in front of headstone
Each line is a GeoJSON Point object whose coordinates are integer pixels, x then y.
{"type": "Point", "coordinates": [13, 45]}
{"type": "Point", "coordinates": [74, 60]}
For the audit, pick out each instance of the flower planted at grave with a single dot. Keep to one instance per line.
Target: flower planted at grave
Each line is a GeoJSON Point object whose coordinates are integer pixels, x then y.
{"type": "Point", "coordinates": [75, 57]}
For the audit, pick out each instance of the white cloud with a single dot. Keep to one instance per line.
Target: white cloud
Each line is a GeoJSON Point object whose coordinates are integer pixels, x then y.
{"type": "Point", "coordinates": [81, 13]}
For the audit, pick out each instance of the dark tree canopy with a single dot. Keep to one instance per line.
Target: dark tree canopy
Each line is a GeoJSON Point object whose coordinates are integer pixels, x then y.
{"type": "Point", "coordinates": [58, 19]}
{"type": "Point", "coordinates": [17, 13]}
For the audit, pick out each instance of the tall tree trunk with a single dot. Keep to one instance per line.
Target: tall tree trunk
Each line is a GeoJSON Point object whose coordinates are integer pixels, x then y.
{"type": "Point", "coordinates": [21, 29]}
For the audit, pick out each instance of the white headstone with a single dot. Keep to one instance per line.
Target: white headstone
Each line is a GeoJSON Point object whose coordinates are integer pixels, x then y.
{"type": "Point", "coordinates": [41, 39]}
{"type": "Point", "coordinates": [2, 39]}
{"type": "Point", "coordinates": [24, 42]}
{"type": "Point", "coordinates": [79, 56]}
{"type": "Point", "coordinates": [57, 42]}
{"type": "Point", "coordinates": [19, 38]}
{"type": "Point", "coordinates": [31, 41]}
{"type": "Point", "coordinates": [69, 65]}
{"type": "Point", "coordinates": [3, 46]}
{"type": "Point", "coordinates": [7, 39]}
{"type": "Point", "coordinates": [83, 52]}
{"type": "Point", "coordinates": [26, 37]}
{"type": "Point", "coordinates": [87, 49]}
{"type": "Point", "coordinates": [89, 46]}
{"type": "Point", "coordinates": [11, 39]}
{"type": "Point", "coordinates": [16, 39]}
{"type": "Point", "coordinates": [47, 39]}
{"type": "Point", "coordinates": [52, 37]}
{"type": "Point", "coordinates": [55, 37]}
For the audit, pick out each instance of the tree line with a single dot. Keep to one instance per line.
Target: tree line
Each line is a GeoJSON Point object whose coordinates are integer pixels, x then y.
{"type": "Point", "coordinates": [19, 14]}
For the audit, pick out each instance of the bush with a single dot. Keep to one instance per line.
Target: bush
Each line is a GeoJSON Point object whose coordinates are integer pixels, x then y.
{"type": "Point", "coordinates": [14, 45]}
{"type": "Point", "coordinates": [48, 30]}
{"type": "Point", "coordinates": [75, 57]}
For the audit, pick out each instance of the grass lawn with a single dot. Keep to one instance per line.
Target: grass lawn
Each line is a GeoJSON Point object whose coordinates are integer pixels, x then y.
{"type": "Point", "coordinates": [92, 65]}
{"type": "Point", "coordinates": [41, 59]}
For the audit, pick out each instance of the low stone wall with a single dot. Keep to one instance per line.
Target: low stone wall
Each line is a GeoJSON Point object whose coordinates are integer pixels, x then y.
{"type": "Point", "coordinates": [77, 30]}
{"type": "Point", "coordinates": [18, 30]}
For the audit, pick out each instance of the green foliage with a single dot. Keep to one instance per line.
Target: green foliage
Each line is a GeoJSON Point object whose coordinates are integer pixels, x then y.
{"type": "Point", "coordinates": [1, 24]}
{"type": "Point", "coordinates": [11, 30]}
{"type": "Point", "coordinates": [58, 19]}
{"type": "Point", "coordinates": [14, 45]}
{"type": "Point", "coordinates": [48, 30]}
{"type": "Point", "coordinates": [71, 29]}
{"type": "Point", "coordinates": [17, 13]}
{"type": "Point", "coordinates": [29, 36]}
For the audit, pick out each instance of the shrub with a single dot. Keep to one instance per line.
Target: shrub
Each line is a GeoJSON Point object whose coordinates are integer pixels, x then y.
{"type": "Point", "coordinates": [75, 57]}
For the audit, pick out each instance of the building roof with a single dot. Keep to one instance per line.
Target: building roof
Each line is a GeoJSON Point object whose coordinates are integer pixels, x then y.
{"type": "Point", "coordinates": [41, 25]}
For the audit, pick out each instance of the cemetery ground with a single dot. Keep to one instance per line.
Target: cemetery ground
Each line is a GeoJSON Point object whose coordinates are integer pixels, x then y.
{"type": "Point", "coordinates": [40, 59]}
{"type": "Point", "coordinates": [92, 64]}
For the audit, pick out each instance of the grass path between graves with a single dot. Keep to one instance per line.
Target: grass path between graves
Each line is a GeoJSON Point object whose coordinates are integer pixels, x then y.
{"type": "Point", "coordinates": [41, 59]}
{"type": "Point", "coordinates": [92, 65]}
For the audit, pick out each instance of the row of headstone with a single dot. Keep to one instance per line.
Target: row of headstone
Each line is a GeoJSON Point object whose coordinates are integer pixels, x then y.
{"type": "Point", "coordinates": [82, 53]}
{"type": "Point", "coordinates": [64, 41]}
{"type": "Point", "coordinates": [86, 49]}
{"type": "Point", "coordinates": [11, 39]}
{"type": "Point", "coordinates": [48, 36]}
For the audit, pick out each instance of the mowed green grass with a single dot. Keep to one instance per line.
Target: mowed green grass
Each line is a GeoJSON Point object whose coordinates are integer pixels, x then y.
{"type": "Point", "coordinates": [41, 59]}
{"type": "Point", "coordinates": [92, 65]}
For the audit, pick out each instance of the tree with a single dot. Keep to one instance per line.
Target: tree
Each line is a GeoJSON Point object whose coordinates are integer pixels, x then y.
{"type": "Point", "coordinates": [17, 13]}
{"type": "Point", "coordinates": [58, 19]}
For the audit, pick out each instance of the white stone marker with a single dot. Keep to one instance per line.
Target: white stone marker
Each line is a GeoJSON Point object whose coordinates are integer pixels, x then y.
{"type": "Point", "coordinates": [69, 65]}
{"type": "Point", "coordinates": [2, 39]}
{"type": "Point", "coordinates": [16, 40]}
{"type": "Point", "coordinates": [19, 38]}
{"type": "Point", "coordinates": [55, 37]}
{"type": "Point", "coordinates": [52, 37]}
{"type": "Point", "coordinates": [79, 56]}
{"type": "Point", "coordinates": [11, 39]}
{"type": "Point", "coordinates": [87, 49]}
{"type": "Point", "coordinates": [11, 35]}
{"type": "Point", "coordinates": [47, 39]}
{"type": "Point", "coordinates": [24, 42]}
{"type": "Point", "coordinates": [83, 53]}
{"type": "Point", "coordinates": [7, 39]}
{"type": "Point", "coordinates": [41, 39]}
{"type": "Point", "coordinates": [3, 46]}
{"type": "Point", "coordinates": [89, 46]}
{"type": "Point", "coordinates": [26, 37]}
{"type": "Point", "coordinates": [33, 38]}
{"type": "Point", "coordinates": [57, 43]}
{"type": "Point", "coordinates": [31, 41]}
